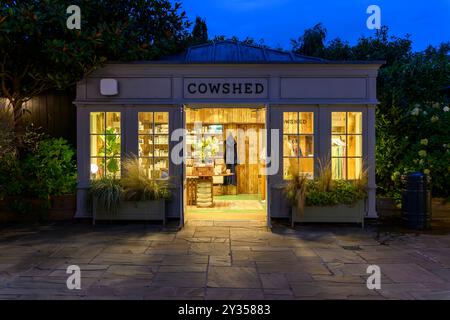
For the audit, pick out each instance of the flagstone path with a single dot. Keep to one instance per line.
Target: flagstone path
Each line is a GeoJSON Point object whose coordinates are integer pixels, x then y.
{"type": "Point", "coordinates": [220, 262]}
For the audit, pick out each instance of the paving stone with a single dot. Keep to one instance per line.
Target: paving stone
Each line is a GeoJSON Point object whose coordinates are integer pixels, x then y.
{"type": "Point", "coordinates": [274, 281]}
{"type": "Point", "coordinates": [408, 272]}
{"type": "Point", "coordinates": [183, 260]}
{"type": "Point", "coordinates": [210, 248]}
{"type": "Point", "coordinates": [233, 277]}
{"type": "Point", "coordinates": [339, 255]}
{"type": "Point", "coordinates": [221, 261]}
{"type": "Point", "coordinates": [146, 272]}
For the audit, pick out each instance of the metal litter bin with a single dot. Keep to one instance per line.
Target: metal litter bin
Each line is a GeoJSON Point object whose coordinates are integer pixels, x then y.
{"type": "Point", "coordinates": [416, 201]}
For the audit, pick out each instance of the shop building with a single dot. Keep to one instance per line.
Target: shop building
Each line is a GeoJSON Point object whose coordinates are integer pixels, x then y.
{"type": "Point", "coordinates": [281, 113]}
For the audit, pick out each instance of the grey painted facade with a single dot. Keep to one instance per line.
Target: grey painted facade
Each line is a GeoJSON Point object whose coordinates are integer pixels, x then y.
{"type": "Point", "coordinates": [319, 86]}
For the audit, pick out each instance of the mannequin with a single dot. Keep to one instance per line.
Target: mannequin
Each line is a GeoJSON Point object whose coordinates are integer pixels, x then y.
{"type": "Point", "coordinates": [231, 159]}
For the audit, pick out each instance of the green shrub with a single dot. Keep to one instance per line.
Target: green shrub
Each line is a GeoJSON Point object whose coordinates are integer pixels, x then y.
{"type": "Point", "coordinates": [324, 191]}
{"type": "Point", "coordinates": [51, 169]}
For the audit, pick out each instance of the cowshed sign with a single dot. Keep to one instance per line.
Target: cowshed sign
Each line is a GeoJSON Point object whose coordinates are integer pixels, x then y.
{"type": "Point", "coordinates": [229, 88]}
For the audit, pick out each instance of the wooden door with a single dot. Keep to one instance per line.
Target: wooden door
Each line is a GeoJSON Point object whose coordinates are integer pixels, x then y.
{"type": "Point", "coordinates": [248, 155]}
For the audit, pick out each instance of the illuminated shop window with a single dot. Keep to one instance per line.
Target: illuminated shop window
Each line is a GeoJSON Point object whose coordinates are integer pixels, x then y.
{"type": "Point", "coordinates": [346, 145]}
{"type": "Point", "coordinates": [298, 144]}
{"type": "Point", "coordinates": [154, 144]}
{"type": "Point", "coordinates": [105, 144]}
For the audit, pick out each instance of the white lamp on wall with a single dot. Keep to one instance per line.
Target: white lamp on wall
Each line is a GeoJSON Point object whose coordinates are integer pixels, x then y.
{"type": "Point", "coordinates": [109, 87]}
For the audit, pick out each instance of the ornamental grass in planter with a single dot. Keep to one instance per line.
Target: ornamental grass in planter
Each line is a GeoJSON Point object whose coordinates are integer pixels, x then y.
{"type": "Point", "coordinates": [133, 197]}
{"type": "Point", "coordinates": [326, 200]}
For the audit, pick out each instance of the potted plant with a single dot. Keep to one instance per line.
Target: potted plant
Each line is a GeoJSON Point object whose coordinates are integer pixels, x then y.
{"type": "Point", "coordinates": [134, 197]}
{"type": "Point", "coordinates": [326, 200]}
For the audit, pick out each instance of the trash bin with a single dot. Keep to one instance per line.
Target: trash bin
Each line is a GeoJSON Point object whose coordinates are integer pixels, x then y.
{"type": "Point", "coordinates": [416, 201]}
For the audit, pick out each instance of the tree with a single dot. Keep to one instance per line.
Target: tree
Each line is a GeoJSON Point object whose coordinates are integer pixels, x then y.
{"type": "Point", "coordinates": [199, 32]}
{"type": "Point", "coordinates": [38, 52]}
{"type": "Point", "coordinates": [312, 42]}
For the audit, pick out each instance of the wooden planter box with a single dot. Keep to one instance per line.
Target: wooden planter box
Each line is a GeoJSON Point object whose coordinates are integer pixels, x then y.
{"type": "Point", "coordinates": [62, 207]}
{"type": "Point", "coordinates": [340, 213]}
{"type": "Point", "coordinates": [440, 209]}
{"type": "Point", "coordinates": [132, 211]}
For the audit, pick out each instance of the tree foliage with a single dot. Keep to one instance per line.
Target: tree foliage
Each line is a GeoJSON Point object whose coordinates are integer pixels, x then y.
{"type": "Point", "coordinates": [199, 32]}
{"type": "Point", "coordinates": [38, 52]}
{"type": "Point", "coordinates": [407, 82]}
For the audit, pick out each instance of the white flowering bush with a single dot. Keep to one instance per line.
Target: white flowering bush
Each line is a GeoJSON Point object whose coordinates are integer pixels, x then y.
{"type": "Point", "coordinates": [425, 147]}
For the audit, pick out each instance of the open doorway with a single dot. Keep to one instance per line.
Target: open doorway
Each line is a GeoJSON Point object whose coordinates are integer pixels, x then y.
{"type": "Point", "coordinates": [224, 168]}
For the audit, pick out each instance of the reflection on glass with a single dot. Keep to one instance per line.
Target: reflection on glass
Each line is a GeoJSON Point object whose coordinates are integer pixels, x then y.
{"type": "Point", "coordinates": [354, 168]}
{"type": "Point", "coordinates": [306, 146]}
{"type": "Point", "coordinates": [346, 148]}
{"type": "Point", "coordinates": [154, 143]}
{"type": "Point", "coordinates": [290, 146]}
{"type": "Point", "coordinates": [298, 143]}
{"type": "Point", "coordinates": [338, 168]}
{"type": "Point", "coordinates": [112, 122]}
{"type": "Point", "coordinates": [338, 146]}
{"type": "Point", "coordinates": [97, 122]}
{"type": "Point", "coordinates": [354, 123]}
{"type": "Point", "coordinates": [307, 167]}
{"type": "Point", "coordinates": [354, 145]}
{"type": "Point", "coordinates": [105, 144]}
{"type": "Point", "coordinates": [290, 167]}
{"type": "Point", "coordinates": [290, 122]}
{"type": "Point", "coordinates": [306, 122]}
{"type": "Point", "coordinates": [145, 122]}
{"type": "Point", "coordinates": [338, 122]}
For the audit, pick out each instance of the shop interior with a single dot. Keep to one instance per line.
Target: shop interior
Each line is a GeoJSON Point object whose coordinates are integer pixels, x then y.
{"type": "Point", "coordinates": [224, 168]}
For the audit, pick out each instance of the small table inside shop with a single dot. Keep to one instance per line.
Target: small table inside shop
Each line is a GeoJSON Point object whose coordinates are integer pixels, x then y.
{"type": "Point", "coordinates": [200, 189]}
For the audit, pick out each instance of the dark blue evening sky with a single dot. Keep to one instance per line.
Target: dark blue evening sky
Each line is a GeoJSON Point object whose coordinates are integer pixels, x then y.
{"type": "Point", "coordinates": [278, 21]}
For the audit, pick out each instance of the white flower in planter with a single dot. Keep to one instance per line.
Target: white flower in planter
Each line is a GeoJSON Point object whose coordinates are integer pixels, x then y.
{"type": "Point", "coordinates": [426, 171]}
{"type": "Point", "coordinates": [446, 109]}
{"type": "Point", "coordinates": [424, 142]}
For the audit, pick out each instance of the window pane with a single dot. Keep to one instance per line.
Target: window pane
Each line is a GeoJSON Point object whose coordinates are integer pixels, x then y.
{"type": "Point", "coordinates": [338, 122]}
{"type": "Point", "coordinates": [145, 122]}
{"type": "Point", "coordinates": [161, 169]}
{"type": "Point", "coordinates": [290, 122]}
{"type": "Point", "coordinates": [306, 146]}
{"type": "Point", "coordinates": [354, 122]}
{"type": "Point", "coordinates": [147, 165]}
{"type": "Point", "coordinates": [161, 122]}
{"type": "Point", "coordinates": [113, 167]}
{"type": "Point", "coordinates": [338, 145]}
{"type": "Point", "coordinates": [97, 168]}
{"type": "Point", "coordinates": [354, 168]}
{"type": "Point", "coordinates": [112, 145]}
{"type": "Point", "coordinates": [97, 122]}
{"type": "Point", "coordinates": [97, 146]}
{"type": "Point", "coordinates": [307, 167]}
{"type": "Point", "coordinates": [112, 122]}
{"type": "Point", "coordinates": [338, 167]}
{"type": "Point", "coordinates": [354, 143]}
{"type": "Point", "coordinates": [290, 146]}
{"type": "Point", "coordinates": [306, 122]}
{"type": "Point", "coordinates": [290, 167]}
{"type": "Point", "coordinates": [145, 146]}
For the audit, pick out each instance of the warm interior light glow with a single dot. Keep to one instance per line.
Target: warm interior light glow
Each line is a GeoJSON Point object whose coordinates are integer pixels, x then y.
{"type": "Point", "coordinates": [94, 168]}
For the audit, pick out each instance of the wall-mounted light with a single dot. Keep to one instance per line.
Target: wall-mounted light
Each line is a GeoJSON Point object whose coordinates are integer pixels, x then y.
{"type": "Point", "coordinates": [94, 168]}
{"type": "Point", "coordinates": [109, 87]}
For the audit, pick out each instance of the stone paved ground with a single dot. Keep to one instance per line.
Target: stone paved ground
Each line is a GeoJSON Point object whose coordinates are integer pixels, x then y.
{"type": "Point", "coordinates": [220, 262]}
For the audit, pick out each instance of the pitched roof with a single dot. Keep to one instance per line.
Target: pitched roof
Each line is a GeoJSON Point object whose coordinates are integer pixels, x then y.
{"type": "Point", "coordinates": [228, 51]}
